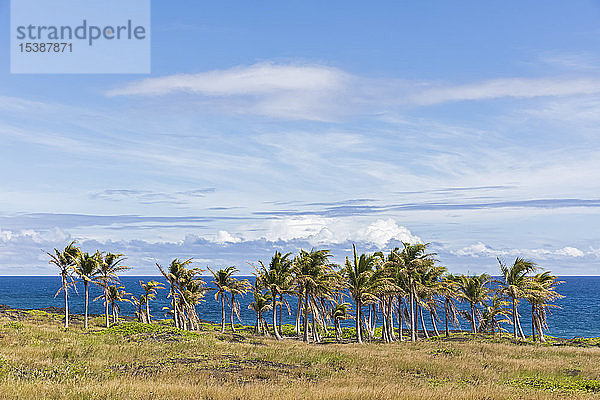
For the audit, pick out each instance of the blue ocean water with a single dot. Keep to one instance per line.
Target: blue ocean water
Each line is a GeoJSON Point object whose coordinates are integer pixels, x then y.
{"type": "Point", "coordinates": [576, 315]}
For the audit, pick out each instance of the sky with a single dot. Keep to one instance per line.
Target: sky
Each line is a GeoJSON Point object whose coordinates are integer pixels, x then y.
{"type": "Point", "coordinates": [469, 125]}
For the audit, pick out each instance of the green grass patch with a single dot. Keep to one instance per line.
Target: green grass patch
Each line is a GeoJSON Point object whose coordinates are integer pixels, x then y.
{"type": "Point", "coordinates": [559, 384]}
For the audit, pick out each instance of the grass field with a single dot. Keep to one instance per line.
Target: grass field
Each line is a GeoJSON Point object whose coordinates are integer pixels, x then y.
{"type": "Point", "coordinates": [41, 360]}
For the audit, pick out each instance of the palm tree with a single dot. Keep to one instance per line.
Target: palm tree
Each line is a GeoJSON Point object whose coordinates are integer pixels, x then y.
{"type": "Point", "coordinates": [316, 281]}
{"type": "Point", "coordinates": [222, 280]}
{"type": "Point", "coordinates": [65, 260]}
{"type": "Point", "coordinates": [473, 289]}
{"type": "Point", "coordinates": [412, 260]}
{"type": "Point", "coordinates": [277, 278]}
{"type": "Point", "coordinates": [494, 315]}
{"type": "Point", "coordinates": [541, 291]}
{"type": "Point", "coordinates": [237, 287]}
{"type": "Point", "coordinates": [109, 266]}
{"type": "Point", "coordinates": [113, 296]}
{"type": "Point", "coordinates": [431, 288]}
{"type": "Point", "coordinates": [450, 293]}
{"type": "Point", "coordinates": [513, 284]}
{"type": "Point", "coordinates": [186, 290]}
{"type": "Point", "coordinates": [359, 279]}
{"type": "Point", "coordinates": [150, 290]}
{"type": "Point", "coordinates": [86, 266]}
{"type": "Point", "coordinates": [261, 304]}
{"type": "Point", "coordinates": [339, 312]}
{"type": "Point", "coordinates": [138, 303]}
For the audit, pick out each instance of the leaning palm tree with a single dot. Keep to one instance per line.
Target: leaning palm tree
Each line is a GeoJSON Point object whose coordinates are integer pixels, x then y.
{"type": "Point", "coordinates": [150, 290]}
{"type": "Point", "coordinates": [173, 274]}
{"type": "Point", "coordinates": [412, 260]}
{"type": "Point", "coordinates": [359, 275]}
{"type": "Point", "coordinates": [473, 289]}
{"type": "Point", "coordinates": [65, 260]}
{"type": "Point", "coordinates": [541, 291]}
{"type": "Point", "coordinates": [339, 311]}
{"type": "Point", "coordinates": [138, 303]}
{"type": "Point", "coordinates": [494, 315]}
{"type": "Point", "coordinates": [237, 287]}
{"type": "Point", "coordinates": [86, 266]}
{"type": "Point", "coordinates": [449, 291]}
{"type": "Point", "coordinates": [316, 281]}
{"type": "Point", "coordinates": [261, 303]}
{"type": "Point", "coordinates": [116, 295]}
{"type": "Point", "coordinates": [109, 266]}
{"type": "Point", "coordinates": [513, 284]}
{"type": "Point", "coordinates": [222, 280]}
{"type": "Point", "coordinates": [276, 278]}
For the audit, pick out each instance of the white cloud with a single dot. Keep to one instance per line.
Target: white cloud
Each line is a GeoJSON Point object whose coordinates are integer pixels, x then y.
{"type": "Point", "coordinates": [312, 92]}
{"type": "Point", "coordinates": [570, 252]}
{"type": "Point", "coordinates": [509, 87]}
{"type": "Point", "coordinates": [225, 237]}
{"type": "Point", "coordinates": [321, 231]}
{"type": "Point", "coordinates": [252, 80]}
{"type": "Point", "coordinates": [482, 250]}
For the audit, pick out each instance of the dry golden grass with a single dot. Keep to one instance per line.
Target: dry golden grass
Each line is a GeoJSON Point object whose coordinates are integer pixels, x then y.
{"type": "Point", "coordinates": [40, 360]}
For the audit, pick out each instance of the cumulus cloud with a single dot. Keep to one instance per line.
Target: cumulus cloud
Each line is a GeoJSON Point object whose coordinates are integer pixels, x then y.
{"type": "Point", "coordinates": [319, 231]}
{"type": "Point", "coordinates": [480, 249]}
{"type": "Point", "coordinates": [570, 252]}
{"type": "Point", "coordinates": [225, 237]}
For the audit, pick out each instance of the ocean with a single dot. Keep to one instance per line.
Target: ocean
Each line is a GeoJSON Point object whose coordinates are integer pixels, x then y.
{"type": "Point", "coordinates": [576, 316]}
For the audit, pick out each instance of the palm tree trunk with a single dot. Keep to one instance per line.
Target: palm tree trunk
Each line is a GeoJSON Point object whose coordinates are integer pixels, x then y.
{"type": "Point", "coordinates": [257, 322]}
{"type": "Point", "coordinates": [538, 319]}
{"type": "Point", "coordinates": [391, 318]}
{"type": "Point", "coordinates": [280, 312]}
{"type": "Point", "coordinates": [423, 322]}
{"type": "Point", "coordinates": [520, 328]}
{"type": "Point", "coordinates": [222, 312]}
{"type": "Point", "coordinates": [384, 331]}
{"type": "Point", "coordinates": [232, 311]}
{"type": "Point", "coordinates": [175, 316]}
{"type": "Point", "coordinates": [315, 331]}
{"type": "Point", "coordinates": [65, 283]}
{"type": "Point", "coordinates": [358, 319]}
{"type": "Point", "coordinates": [277, 335]}
{"type": "Point", "coordinates": [148, 310]}
{"type": "Point", "coordinates": [413, 325]}
{"type": "Point", "coordinates": [298, 314]}
{"type": "Point", "coordinates": [514, 310]}
{"type": "Point", "coordinates": [85, 288]}
{"type": "Point", "coordinates": [106, 306]}
{"type": "Point", "coordinates": [533, 323]}
{"type": "Point", "coordinates": [473, 324]}
{"type": "Point", "coordinates": [435, 329]}
{"type": "Point", "coordinates": [446, 316]}
{"type": "Point", "coordinates": [400, 318]}
{"type": "Point", "coordinates": [305, 333]}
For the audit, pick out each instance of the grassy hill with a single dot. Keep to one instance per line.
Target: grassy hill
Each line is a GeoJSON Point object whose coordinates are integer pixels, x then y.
{"type": "Point", "coordinates": [41, 360]}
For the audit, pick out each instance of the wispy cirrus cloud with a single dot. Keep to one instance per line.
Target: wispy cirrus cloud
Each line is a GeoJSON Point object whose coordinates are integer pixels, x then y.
{"type": "Point", "coordinates": [151, 197]}
{"type": "Point", "coordinates": [321, 92]}
{"type": "Point", "coordinates": [507, 87]}
{"type": "Point", "coordinates": [365, 209]}
{"type": "Point", "coordinates": [253, 80]}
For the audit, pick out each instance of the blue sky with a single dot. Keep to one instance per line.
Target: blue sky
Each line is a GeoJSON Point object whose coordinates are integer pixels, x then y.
{"type": "Point", "coordinates": [470, 125]}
